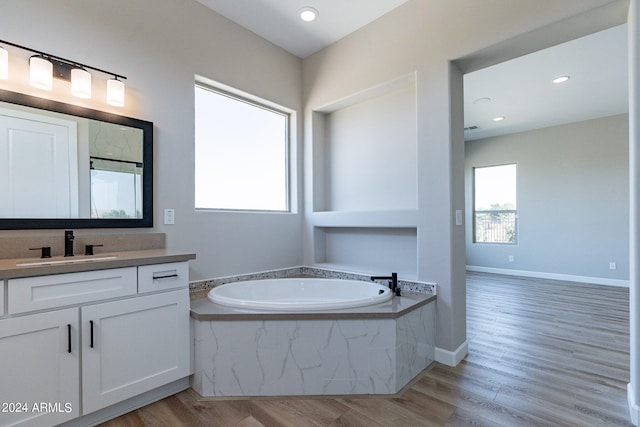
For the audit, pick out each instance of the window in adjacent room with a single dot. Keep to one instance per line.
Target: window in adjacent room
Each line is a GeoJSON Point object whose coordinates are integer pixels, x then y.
{"type": "Point", "coordinates": [494, 207]}
{"type": "Point", "coordinates": [241, 153]}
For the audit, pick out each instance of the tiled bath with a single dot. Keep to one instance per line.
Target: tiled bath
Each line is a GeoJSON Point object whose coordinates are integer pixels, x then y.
{"type": "Point", "coordinates": [363, 350]}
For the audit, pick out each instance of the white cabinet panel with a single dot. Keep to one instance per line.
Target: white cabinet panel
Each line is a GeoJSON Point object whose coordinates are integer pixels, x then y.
{"type": "Point", "coordinates": [160, 277]}
{"type": "Point", "coordinates": [42, 292]}
{"type": "Point", "coordinates": [39, 375]}
{"type": "Point", "coordinates": [132, 346]}
{"type": "Point", "coordinates": [2, 287]}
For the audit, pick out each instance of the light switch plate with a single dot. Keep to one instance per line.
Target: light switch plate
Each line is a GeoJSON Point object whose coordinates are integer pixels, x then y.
{"type": "Point", "coordinates": [458, 217]}
{"type": "Point", "coordinates": [169, 216]}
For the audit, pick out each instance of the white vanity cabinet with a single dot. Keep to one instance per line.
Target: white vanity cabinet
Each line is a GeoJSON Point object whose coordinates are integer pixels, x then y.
{"type": "Point", "coordinates": [132, 346]}
{"type": "Point", "coordinates": [80, 342]}
{"type": "Point", "coordinates": [39, 375]}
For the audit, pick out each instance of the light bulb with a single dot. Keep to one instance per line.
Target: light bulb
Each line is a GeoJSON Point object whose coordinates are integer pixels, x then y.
{"type": "Point", "coordinates": [80, 83]}
{"type": "Point", "coordinates": [40, 72]}
{"type": "Point", "coordinates": [4, 63]}
{"type": "Point", "coordinates": [115, 92]}
{"type": "Point", "coordinates": [308, 14]}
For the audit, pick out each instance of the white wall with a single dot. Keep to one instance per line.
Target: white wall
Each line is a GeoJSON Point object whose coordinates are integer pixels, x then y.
{"type": "Point", "coordinates": [370, 154]}
{"type": "Point", "coordinates": [573, 200]}
{"type": "Point", "coordinates": [159, 46]}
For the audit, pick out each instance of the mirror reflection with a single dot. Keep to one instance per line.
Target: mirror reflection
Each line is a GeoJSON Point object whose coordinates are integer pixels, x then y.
{"type": "Point", "coordinates": [72, 167]}
{"type": "Point", "coordinates": [115, 164]}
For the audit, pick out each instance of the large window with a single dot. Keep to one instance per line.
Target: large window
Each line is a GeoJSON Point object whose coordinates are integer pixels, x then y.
{"type": "Point", "coordinates": [494, 207]}
{"type": "Point", "coordinates": [241, 153]}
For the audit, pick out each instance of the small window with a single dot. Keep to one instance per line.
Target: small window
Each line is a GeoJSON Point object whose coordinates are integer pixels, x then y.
{"type": "Point", "coordinates": [495, 212]}
{"type": "Point", "coordinates": [241, 153]}
{"type": "Point", "coordinates": [116, 188]}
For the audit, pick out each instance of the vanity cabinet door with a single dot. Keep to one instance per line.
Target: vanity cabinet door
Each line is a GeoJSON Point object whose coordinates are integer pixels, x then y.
{"type": "Point", "coordinates": [39, 368]}
{"type": "Point", "coordinates": [133, 346]}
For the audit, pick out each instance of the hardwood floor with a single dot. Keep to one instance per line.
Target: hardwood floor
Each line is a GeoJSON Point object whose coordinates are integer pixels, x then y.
{"type": "Point", "coordinates": [541, 353]}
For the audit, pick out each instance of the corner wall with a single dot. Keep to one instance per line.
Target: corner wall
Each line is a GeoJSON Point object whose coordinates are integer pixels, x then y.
{"type": "Point", "coordinates": [423, 37]}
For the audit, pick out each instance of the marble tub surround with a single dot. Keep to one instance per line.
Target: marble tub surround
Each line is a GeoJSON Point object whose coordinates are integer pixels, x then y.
{"type": "Point", "coordinates": [304, 271]}
{"type": "Point", "coordinates": [18, 247]}
{"type": "Point", "coordinates": [310, 355]}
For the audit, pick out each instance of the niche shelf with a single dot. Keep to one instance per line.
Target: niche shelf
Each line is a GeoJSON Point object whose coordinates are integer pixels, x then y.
{"type": "Point", "coordinates": [368, 219]}
{"type": "Point", "coordinates": [379, 250]}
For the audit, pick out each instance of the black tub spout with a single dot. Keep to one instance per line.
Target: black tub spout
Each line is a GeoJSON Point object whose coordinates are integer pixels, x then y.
{"type": "Point", "coordinates": [393, 282]}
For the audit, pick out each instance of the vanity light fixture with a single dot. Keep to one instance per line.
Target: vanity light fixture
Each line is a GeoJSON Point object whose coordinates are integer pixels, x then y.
{"type": "Point", "coordinates": [4, 63]}
{"type": "Point", "coordinates": [43, 67]}
{"type": "Point", "coordinates": [308, 14]}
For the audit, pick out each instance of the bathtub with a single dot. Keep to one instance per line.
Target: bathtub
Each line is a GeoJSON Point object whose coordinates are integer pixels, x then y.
{"type": "Point", "coordinates": [296, 294]}
{"type": "Point", "coordinates": [303, 350]}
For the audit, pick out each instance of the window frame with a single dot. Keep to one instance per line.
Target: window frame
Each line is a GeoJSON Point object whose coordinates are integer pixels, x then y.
{"type": "Point", "coordinates": [494, 211]}
{"type": "Point", "coordinates": [255, 101]}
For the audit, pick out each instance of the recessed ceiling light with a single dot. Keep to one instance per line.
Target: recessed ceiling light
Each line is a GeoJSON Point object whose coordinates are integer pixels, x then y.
{"type": "Point", "coordinates": [498, 119]}
{"type": "Point", "coordinates": [482, 101]}
{"type": "Point", "coordinates": [561, 79]}
{"type": "Point", "coordinates": [308, 14]}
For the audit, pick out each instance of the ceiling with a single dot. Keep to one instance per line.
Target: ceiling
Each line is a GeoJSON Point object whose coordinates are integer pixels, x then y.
{"type": "Point", "coordinates": [519, 90]}
{"type": "Point", "coordinates": [278, 20]}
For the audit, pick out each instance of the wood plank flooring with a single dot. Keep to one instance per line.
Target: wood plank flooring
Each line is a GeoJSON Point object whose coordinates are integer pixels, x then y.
{"type": "Point", "coordinates": [541, 353]}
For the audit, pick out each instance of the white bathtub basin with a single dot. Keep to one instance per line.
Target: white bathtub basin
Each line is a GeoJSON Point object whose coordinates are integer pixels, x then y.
{"type": "Point", "coordinates": [293, 294]}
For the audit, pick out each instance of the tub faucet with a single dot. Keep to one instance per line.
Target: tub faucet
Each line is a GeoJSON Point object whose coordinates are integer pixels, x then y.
{"type": "Point", "coordinates": [393, 282]}
{"type": "Point", "coordinates": [68, 243]}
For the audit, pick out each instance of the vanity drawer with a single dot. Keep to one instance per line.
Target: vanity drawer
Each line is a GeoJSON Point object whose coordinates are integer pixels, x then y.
{"type": "Point", "coordinates": [42, 292]}
{"type": "Point", "coordinates": [160, 277]}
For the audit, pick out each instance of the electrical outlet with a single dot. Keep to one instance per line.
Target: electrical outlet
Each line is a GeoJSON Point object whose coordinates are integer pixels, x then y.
{"type": "Point", "coordinates": [510, 258]}
{"type": "Point", "coordinates": [612, 265]}
{"type": "Point", "coordinates": [169, 216]}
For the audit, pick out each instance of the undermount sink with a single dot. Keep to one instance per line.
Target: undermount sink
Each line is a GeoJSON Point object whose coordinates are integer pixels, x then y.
{"type": "Point", "coordinates": [64, 261]}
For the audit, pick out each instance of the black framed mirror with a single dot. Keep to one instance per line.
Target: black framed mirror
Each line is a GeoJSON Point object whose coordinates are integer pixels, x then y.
{"type": "Point", "coordinates": [65, 166]}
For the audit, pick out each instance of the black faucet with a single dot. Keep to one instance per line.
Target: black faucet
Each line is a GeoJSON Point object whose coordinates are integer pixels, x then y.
{"type": "Point", "coordinates": [68, 243]}
{"type": "Point", "coordinates": [88, 249]}
{"type": "Point", "coordinates": [393, 282]}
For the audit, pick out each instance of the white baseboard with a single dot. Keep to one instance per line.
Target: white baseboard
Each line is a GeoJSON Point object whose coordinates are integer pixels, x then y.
{"type": "Point", "coordinates": [552, 276]}
{"type": "Point", "coordinates": [452, 358]}
{"type": "Point", "coordinates": [634, 409]}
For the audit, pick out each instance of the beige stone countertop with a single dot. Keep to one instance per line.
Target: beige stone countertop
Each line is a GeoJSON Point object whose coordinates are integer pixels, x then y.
{"type": "Point", "coordinates": [30, 267]}
{"type": "Point", "coordinates": [203, 309]}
